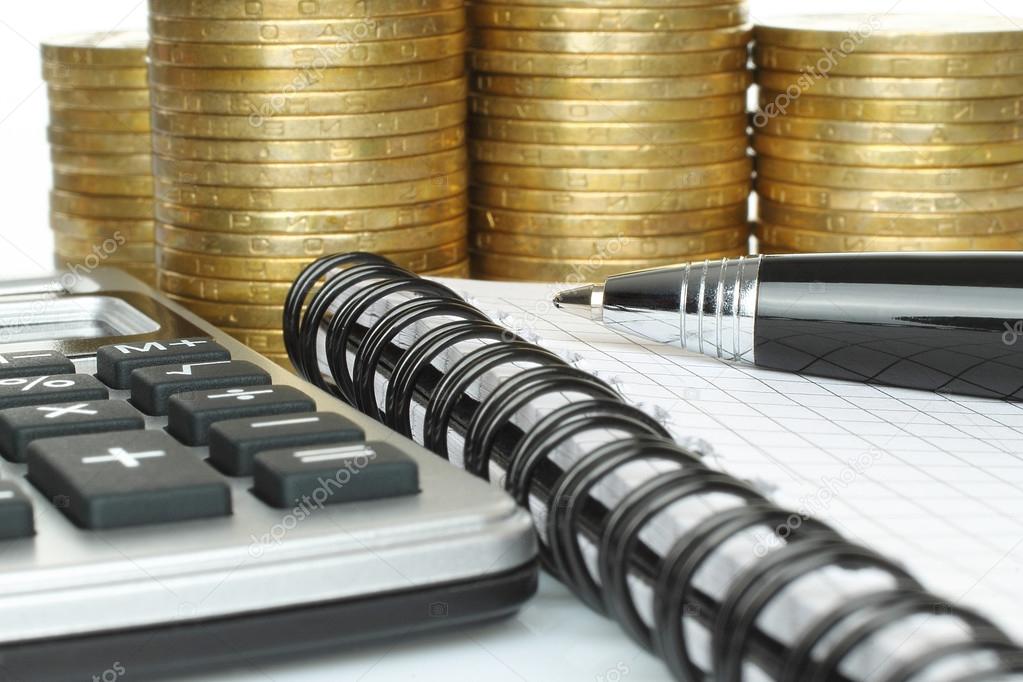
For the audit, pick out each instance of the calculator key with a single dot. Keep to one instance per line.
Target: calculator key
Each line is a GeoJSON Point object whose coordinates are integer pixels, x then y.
{"type": "Point", "coordinates": [191, 414]}
{"type": "Point", "coordinates": [130, 478]}
{"type": "Point", "coordinates": [15, 513]}
{"type": "Point", "coordinates": [152, 387]}
{"type": "Point", "coordinates": [34, 363]}
{"type": "Point", "coordinates": [19, 426]}
{"type": "Point", "coordinates": [334, 474]}
{"type": "Point", "coordinates": [234, 443]}
{"type": "Point", "coordinates": [51, 388]}
{"type": "Point", "coordinates": [115, 363]}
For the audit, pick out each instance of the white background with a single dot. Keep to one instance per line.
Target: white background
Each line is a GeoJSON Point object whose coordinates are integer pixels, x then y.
{"type": "Point", "coordinates": [555, 638]}
{"type": "Point", "coordinates": [25, 243]}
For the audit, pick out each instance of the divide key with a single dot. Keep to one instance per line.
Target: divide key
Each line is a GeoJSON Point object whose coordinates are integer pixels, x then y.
{"type": "Point", "coordinates": [234, 443]}
{"type": "Point", "coordinates": [115, 363]}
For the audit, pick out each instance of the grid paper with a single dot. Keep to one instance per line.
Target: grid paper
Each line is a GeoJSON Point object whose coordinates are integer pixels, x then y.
{"type": "Point", "coordinates": [933, 481]}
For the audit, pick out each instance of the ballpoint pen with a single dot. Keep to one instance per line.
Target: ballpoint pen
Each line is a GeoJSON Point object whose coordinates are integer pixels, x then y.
{"type": "Point", "coordinates": [949, 322]}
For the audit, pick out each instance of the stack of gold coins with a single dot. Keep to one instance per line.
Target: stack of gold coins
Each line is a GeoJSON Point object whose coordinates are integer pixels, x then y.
{"type": "Point", "coordinates": [102, 199]}
{"type": "Point", "coordinates": [606, 135]}
{"type": "Point", "coordinates": [288, 130]}
{"type": "Point", "coordinates": [889, 133]}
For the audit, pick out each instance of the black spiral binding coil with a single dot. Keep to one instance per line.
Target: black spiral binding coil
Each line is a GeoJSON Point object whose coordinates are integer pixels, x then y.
{"type": "Point", "coordinates": [351, 319]}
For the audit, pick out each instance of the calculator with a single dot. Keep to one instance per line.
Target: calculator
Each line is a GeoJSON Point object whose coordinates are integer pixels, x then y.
{"type": "Point", "coordinates": [170, 500]}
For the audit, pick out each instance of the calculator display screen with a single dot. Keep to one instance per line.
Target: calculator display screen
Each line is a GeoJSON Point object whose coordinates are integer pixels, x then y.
{"type": "Point", "coordinates": [71, 317]}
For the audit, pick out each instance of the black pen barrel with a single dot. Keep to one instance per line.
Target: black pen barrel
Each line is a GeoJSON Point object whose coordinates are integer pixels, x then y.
{"type": "Point", "coordinates": [939, 322]}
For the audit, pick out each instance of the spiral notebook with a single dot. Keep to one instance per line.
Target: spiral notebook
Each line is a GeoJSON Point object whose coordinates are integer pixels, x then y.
{"type": "Point", "coordinates": [694, 501]}
{"type": "Point", "coordinates": [933, 480]}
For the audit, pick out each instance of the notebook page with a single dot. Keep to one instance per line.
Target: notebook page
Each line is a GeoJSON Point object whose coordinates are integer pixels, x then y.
{"type": "Point", "coordinates": [933, 481]}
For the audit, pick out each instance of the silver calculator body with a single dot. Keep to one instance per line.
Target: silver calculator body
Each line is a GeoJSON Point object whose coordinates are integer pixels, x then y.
{"type": "Point", "coordinates": [260, 582]}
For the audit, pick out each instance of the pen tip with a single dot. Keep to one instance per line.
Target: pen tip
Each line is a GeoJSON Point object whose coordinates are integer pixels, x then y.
{"type": "Point", "coordinates": [582, 302]}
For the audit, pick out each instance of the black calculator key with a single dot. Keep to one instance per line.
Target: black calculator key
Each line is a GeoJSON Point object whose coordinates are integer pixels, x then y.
{"type": "Point", "coordinates": [191, 414]}
{"type": "Point", "coordinates": [50, 388]}
{"type": "Point", "coordinates": [115, 363]}
{"type": "Point", "coordinates": [33, 363]}
{"type": "Point", "coordinates": [130, 478]}
{"type": "Point", "coordinates": [334, 474]}
{"type": "Point", "coordinates": [152, 387]}
{"type": "Point", "coordinates": [15, 513]}
{"type": "Point", "coordinates": [234, 443]}
{"type": "Point", "coordinates": [19, 426]}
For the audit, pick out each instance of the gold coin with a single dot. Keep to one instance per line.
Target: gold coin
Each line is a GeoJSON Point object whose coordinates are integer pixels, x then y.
{"type": "Point", "coordinates": [604, 42]}
{"type": "Point", "coordinates": [86, 206]}
{"type": "Point", "coordinates": [108, 250]}
{"type": "Point", "coordinates": [308, 80]}
{"type": "Point", "coordinates": [540, 201]}
{"type": "Point", "coordinates": [300, 246]}
{"type": "Point", "coordinates": [638, 111]}
{"type": "Point", "coordinates": [97, 100]}
{"type": "Point", "coordinates": [618, 156]}
{"type": "Point", "coordinates": [312, 222]}
{"type": "Point", "coordinates": [614, 179]}
{"type": "Point", "coordinates": [888, 202]}
{"type": "Point", "coordinates": [145, 272]}
{"type": "Point", "coordinates": [891, 224]}
{"type": "Point", "coordinates": [220, 56]}
{"type": "Point", "coordinates": [502, 266]}
{"type": "Point", "coordinates": [287, 269]}
{"type": "Point", "coordinates": [802, 240]}
{"type": "Point", "coordinates": [772, 104]}
{"type": "Point", "coordinates": [227, 291]}
{"type": "Point", "coordinates": [935, 33]}
{"type": "Point", "coordinates": [332, 30]}
{"type": "Point", "coordinates": [112, 48]}
{"type": "Point", "coordinates": [310, 151]}
{"type": "Point", "coordinates": [613, 89]}
{"type": "Point", "coordinates": [893, 155]}
{"type": "Point", "coordinates": [266, 341]}
{"type": "Point", "coordinates": [620, 4]}
{"type": "Point", "coordinates": [647, 135]}
{"type": "Point", "coordinates": [310, 175]}
{"type": "Point", "coordinates": [317, 198]}
{"type": "Point", "coordinates": [113, 164]}
{"type": "Point", "coordinates": [892, 133]}
{"type": "Point", "coordinates": [310, 103]}
{"type": "Point", "coordinates": [890, 65]}
{"type": "Point", "coordinates": [234, 315]}
{"type": "Point", "coordinates": [109, 185]}
{"type": "Point", "coordinates": [638, 226]}
{"type": "Point", "coordinates": [99, 143]}
{"type": "Point", "coordinates": [98, 79]}
{"type": "Point", "coordinates": [101, 121]}
{"type": "Point", "coordinates": [310, 127]}
{"type": "Point", "coordinates": [485, 60]}
{"type": "Point", "coordinates": [615, 248]}
{"type": "Point", "coordinates": [894, 88]}
{"type": "Point", "coordinates": [91, 228]}
{"type": "Point", "coordinates": [494, 15]}
{"type": "Point", "coordinates": [896, 179]}
{"type": "Point", "coordinates": [458, 270]}
{"type": "Point", "coordinates": [295, 9]}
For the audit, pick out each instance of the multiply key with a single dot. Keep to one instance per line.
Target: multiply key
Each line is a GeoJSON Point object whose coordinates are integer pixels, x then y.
{"type": "Point", "coordinates": [41, 390]}
{"type": "Point", "coordinates": [152, 387]}
{"type": "Point", "coordinates": [190, 415]}
{"type": "Point", "coordinates": [19, 426]}
{"type": "Point", "coordinates": [35, 363]}
{"type": "Point", "coordinates": [234, 443]}
{"type": "Point", "coordinates": [112, 480]}
{"type": "Point", "coordinates": [114, 364]}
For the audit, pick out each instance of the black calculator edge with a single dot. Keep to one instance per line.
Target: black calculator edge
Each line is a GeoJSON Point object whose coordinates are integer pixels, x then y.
{"type": "Point", "coordinates": [163, 652]}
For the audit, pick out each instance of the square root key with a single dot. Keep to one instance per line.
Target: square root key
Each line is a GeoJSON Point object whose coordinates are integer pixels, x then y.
{"type": "Point", "coordinates": [152, 387]}
{"type": "Point", "coordinates": [115, 363]}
